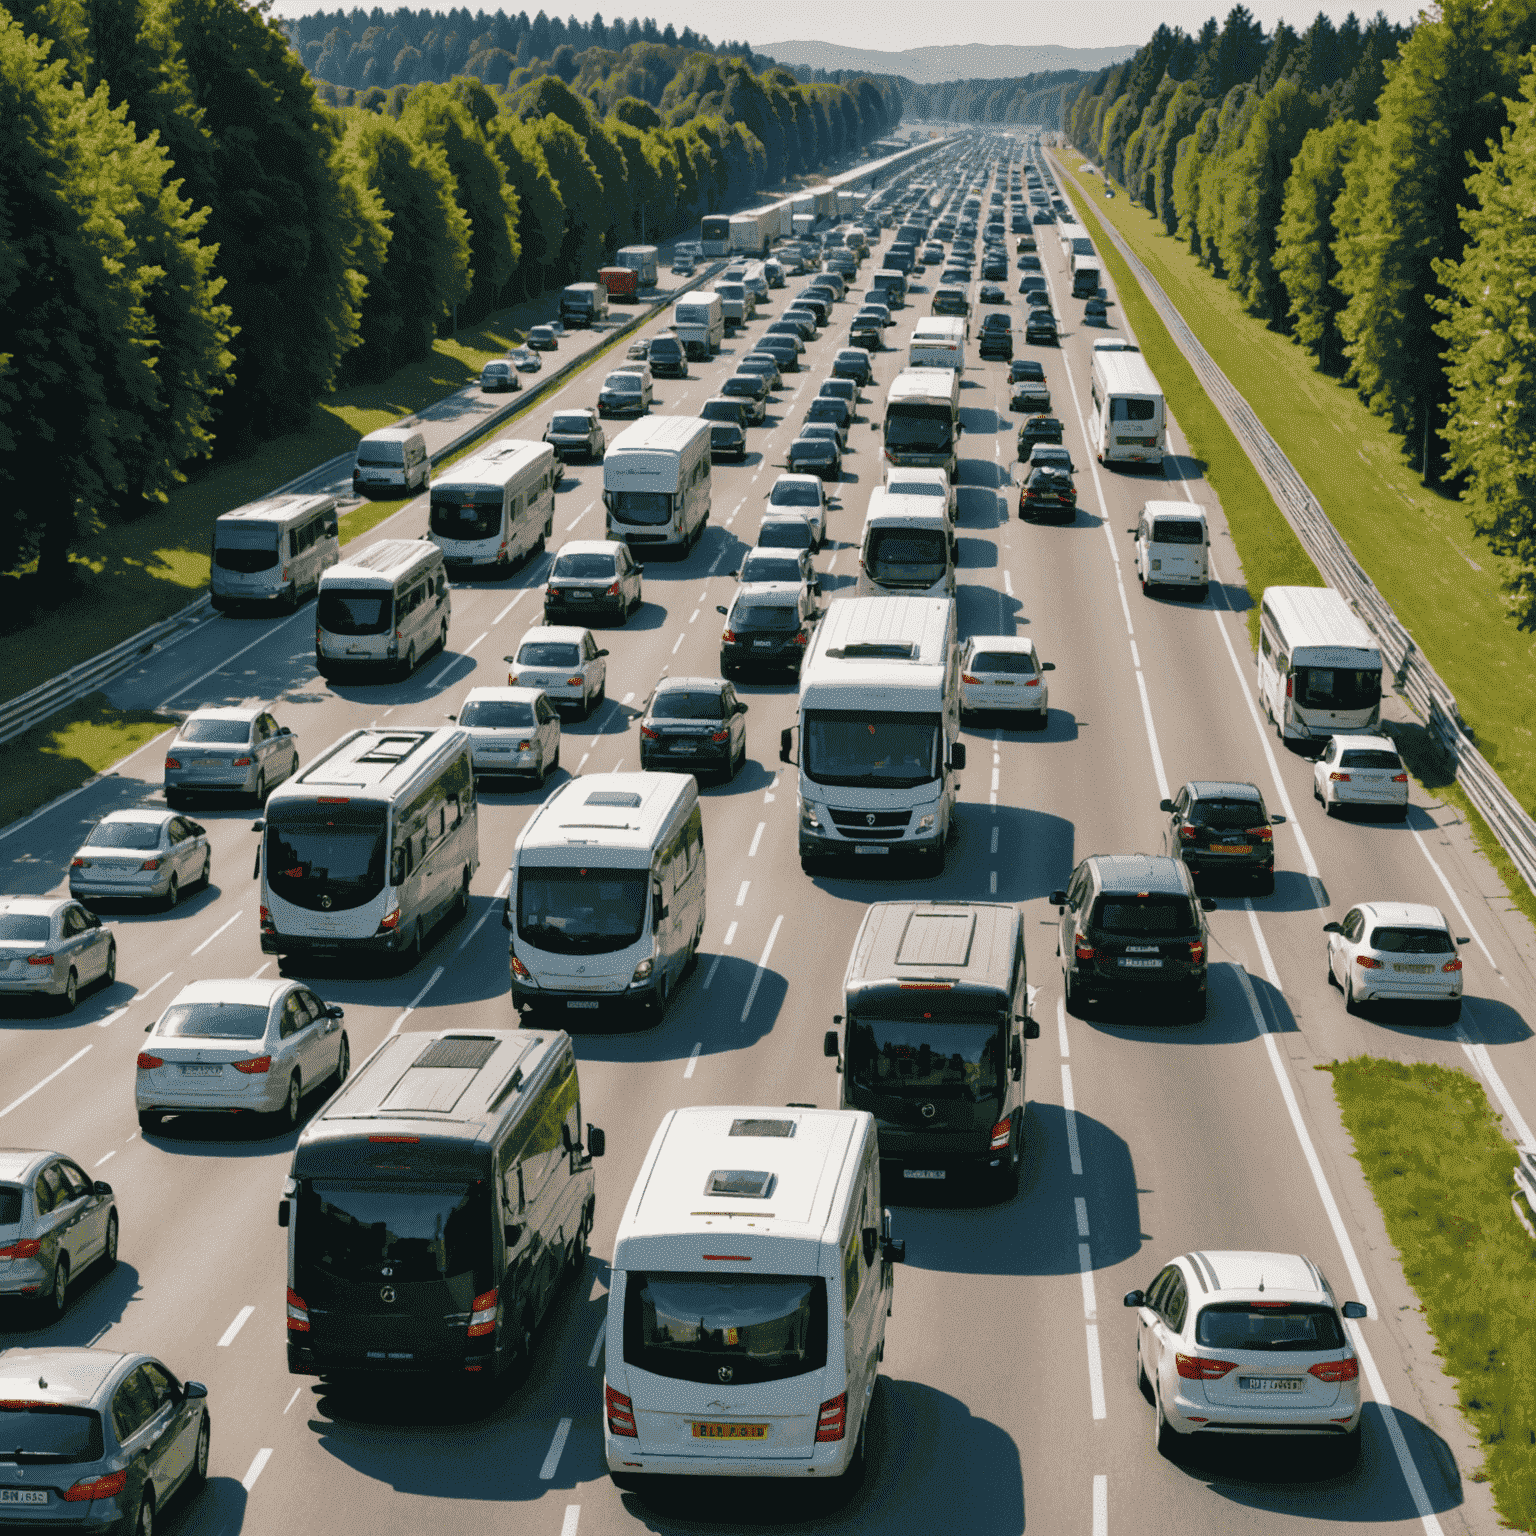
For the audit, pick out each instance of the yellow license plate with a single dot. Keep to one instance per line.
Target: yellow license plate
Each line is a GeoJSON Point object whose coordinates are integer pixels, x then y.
{"type": "Point", "coordinates": [1233, 848]}
{"type": "Point", "coordinates": [730, 1431]}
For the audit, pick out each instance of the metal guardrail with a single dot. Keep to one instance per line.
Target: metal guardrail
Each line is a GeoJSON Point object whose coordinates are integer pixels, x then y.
{"type": "Point", "coordinates": [1412, 675]}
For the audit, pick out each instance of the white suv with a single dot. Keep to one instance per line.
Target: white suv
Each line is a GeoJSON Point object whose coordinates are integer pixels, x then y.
{"type": "Point", "coordinates": [1396, 951]}
{"type": "Point", "coordinates": [1249, 1344]}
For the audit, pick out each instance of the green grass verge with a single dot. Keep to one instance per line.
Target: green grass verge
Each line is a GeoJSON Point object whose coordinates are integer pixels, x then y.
{"type": "Point", "coordinates": [1271, 554]}
{"type": "Point", "coordinates": [1416, 543]}
{"type": "Point", "coordinates": [1442, 1171]}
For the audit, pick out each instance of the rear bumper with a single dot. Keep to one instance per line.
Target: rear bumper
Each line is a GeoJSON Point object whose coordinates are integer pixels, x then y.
{"type": "Point", "coordinates": [374, 944]}
{"type": "Point", "coordinates": [1168, 982]}
{"type": "Point", "coordinates": [1438, 988]}
{"type": "Point", "coordinates": [1198, 861]}
{"type": "Point", "coordinates": [745, 659]}
{"type": "Point", "coordinates": [823, 1462]}
{"type": "Point", "coordinates": [608, 607]}
{"type": "Point", "coordinates": [314, 1359]}
{"type": "Point", "coordinates": [708, 756]}
{"type": "Point", "coordinates": [51, 985]}
{"type": "Point", "coordinates": [120, 890]}
{"type": "Point", "coordinates": [1268, 1418]}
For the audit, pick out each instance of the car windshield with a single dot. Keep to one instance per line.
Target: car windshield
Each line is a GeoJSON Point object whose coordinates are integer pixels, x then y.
{"type": "Point", "coordinates": [498, 715]}
{"type": "Point", "coordinates": [548, 653]}
{"type": "Point", "coordinates": [765, 616]}
{"type": "Point", "coordinates": [578, 426]}
{"type": "Point", "coordinates": [722, 410]}
{"type": "Point", "coordinates": [856, 748]}
{"type": "Point", "coordinates": [218, 1021]}
{"type": "Point", "coordinates": [323, 857]}
{"type": "Point", "coordinates": [1136, 916]}
{"type": "Point", "coordinates": [584, 567]}
{"type": "Point", "coordinates": [687, 704]}
{"type": "Point", "coordinates": [1337, 687]}
{"type": "Point", "coordinates": [233, 733]}
{"type": "Point", "coordinates": [404, 1233]}
{"type": "Point", "coordinates": [947, 1059]}
{"type": "Point", "coordinates": [24, 928]}
{"type": "Point", "coordinates": [765, 565]}
{"type": "Point", "coordinates": [38, 1433]}
{"type": "Point", "coordinates": [1009, 663]}
{"type": "Point", "coordinates": [1412, 941]}
{"type": "Point", "coordinates": [910, 556]}
{"type": "Point", "coordinates": [784, 533]}
{"type": "Point", "coordinates": [1276, 1327]}
{"type": "Point", "coordinates": [571, 911]}
{"type": "Point", "coordinates": [138, 835]}
{"type": "Point", "coordinates": [1362, 758]}
{"type": "Point", "coordinates": [736, 1329]}
{"type": "Point", "coordinates": [340, 612]}
{"type": "Point", "coordinates": [1226, 815]}
{"type": "Point", "coordinates": [795, 493]}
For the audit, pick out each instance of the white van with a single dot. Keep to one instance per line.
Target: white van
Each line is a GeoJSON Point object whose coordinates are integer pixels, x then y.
{"type": "Point", "coordinates": [273, 551]}
{"type": "Point", "coordinates": [606, 903]}
{"type": "Point", "coordinates": [752, 1275]}
{"type": "Point", "coordinates": [657, 484]}
{"type": "Point", "coordinates": [393, 459]}
{"type": "Point", "coordinates": [1173, 547]}
{"type": "Point", "coordinates": [907, 548]}
{"type": "Point", "coordinates": [891, 286]}
{"type": "Point", "coordinates": [386, 608]}
{"type": "Point", "coordinates": [938, 342]}
{"type": "Point", "coordinates": [699, 320]}
{"type": "Point", "coordinates": [737, 302]}
{"type": "Point", "coordinates": [497, 507]}
{"type": "Point", "coordinates": [1319, 666]}
{"type": "Point", "coordinates": [905, 480]}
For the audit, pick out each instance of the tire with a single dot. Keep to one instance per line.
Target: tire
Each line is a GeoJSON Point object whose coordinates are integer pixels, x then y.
{"type": "Point", "coordinates": [261, 789]}
{"type": "Point", "coordinates": [343, 1064]}
{"type": "Point", "coordinates": [1350, 1005]}
{"type": "Point", "coordinates": [1402, 815]}
{"type": "Point", "coordinates": [461, 904]}
{"type": "Point", "coordinates": [1164, 1437]}
{"type": "Point", "coordinates": [1202, 592]}
{"type": "Point", "coordinates": [576, 1255]}
{"type": "Point", "coordinates": [1142, 1384]}
{"type": "Point", "coordinates": [848, 1484]}
{"type": "Point", "coordinates": [56, 1302]}
{"type": "Point", "coordinates": [1330, 807]}
{"type": "Point", "coordinates": [409, 664]}
{"type": "Point", "coordinates": [172, 895]}
{"type": "Point", "coordinates": [207, 874]}
{"type": "Point", "coordinates": [1006, 1181]}
{"type": "Point", "coordinates": [150, 1121]}
{"type": "Point", "coordinates": [1196, 1008]}
{"type": "Point", "coordinates": [144, 1520]}
{"type": "Point", "coordinates": [1333, 981]}
{"type": "Point", "coordinates": [410, 957]}
{"type": "Point", "coordinates": [108, 1260]}
{"type": "Point", "coordinates": [70, 996]}
{"type": "Point", "coordinates": [1075, 1003]}
{"type": "Point", "coordinates": [197, 1475]}
{"type": "Point", "coordinates": [739, 761]}
{"type": "Point", "coordinates": [287, 1118]}
{"type": "Point", "coordinates": [109, 976]}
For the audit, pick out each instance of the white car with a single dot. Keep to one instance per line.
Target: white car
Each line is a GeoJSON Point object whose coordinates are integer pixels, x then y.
{"type": "Point", "coordinates": [1238, 1344]}
{"type": "Point", "coordinates": [1005, 672]}
{"type": "Point", "coordinates": [53, 947]}
{"type": "Point", "coordinates": [141, 856]}
{"type": "Point", "coordinates": [243, 750]}
{"type": "Point", "coordinates": [805, 495]}
{"type": "Point", "coordinates": [1360, 770]}
{"type": "Point", "coordinates": [513, 732]}
{"type": "Point", "coordinates": [563, 661]}
{"type": "Point", "coordinates": [229, 1047]}
{"type": "Point", "coordinates": [1395, 951]}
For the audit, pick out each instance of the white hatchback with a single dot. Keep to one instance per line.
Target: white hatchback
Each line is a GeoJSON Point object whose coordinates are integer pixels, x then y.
{"type": "Point", "coordinates": [806, 496]}
{"type": "Point", "coordinates": [1396, 951]}
{"type": "Point", "coordinates": [565, 662]}
{"type": "Point", "coordinates": [1360, 770]}
{"type": "Point", "coordinates": [1005, 672]}
{"type": "Point", "coordinates": [1241, 1343]}
{"type": "Point", "coordinates": [513, 732]}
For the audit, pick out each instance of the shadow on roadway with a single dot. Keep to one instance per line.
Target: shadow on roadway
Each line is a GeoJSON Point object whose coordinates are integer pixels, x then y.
{"type": "Point", "coordinates": [1060, 724]}
{"type": "Point", "coordinates": [1294, 891]}
{"type": "Point", "coordinates": [1228, 1018]}
{"type": "Point", "coordinates": [98, 1300]}
{"type": "Point", "coordinates": [976, 554]}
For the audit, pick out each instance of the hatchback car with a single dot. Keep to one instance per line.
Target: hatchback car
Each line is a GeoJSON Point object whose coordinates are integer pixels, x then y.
{"type": "Point", "coordinates": [545, 338]}
{"type": "Point", "coordinates": [624, 394]}
{"type": "Point", "coordinates": [1396, 952]}
{"type": "Point", "coordinates": [694, 725]}
{"type": "Point", "coordinates": [767, 628]}
{"type": "Point", "coordinates": [1032, 282]}
{"type": "Point", "coordinates": [786, 529]}
{"type": "Point", "coordinates": [1029, 262]}
{"type": "Point", "coordinates": [564, 662]}
{"type": "Point", "coordinates": [752, 390]}
{"type": "Point", "coordinates": [828, 410]}
{"type": "Point", "coordinates": [1050, 456]}
{"type": "Point", "coordinates": [1361, 771]}
{"type": "Point", "coordinates": [1217, 826]}
{"type": "Point", "coordinates": [995, 338]}
{"type": "Point", "coordinates": [1233, 1344]}
{"type": "Point", "coordinates": [141, 856]}
{"type": "Point", "coordinates": [668, 357]}
{"type": "Point", "coordinates": [55, 1223]}
{"type": "Point", "coordinates": [513, 733]}
{"type": "Point", "coordinates": [868, 335]}
{"type": "Point", "coordinates": [955, 275]}
{"type": "Point", "coordinates": [1026, 370]}
{"type": "Point", "coordinates": [840, 389]}
{"type": "Point", "coordinates": [1038, 429]}
{"type": "Point", "coordinates": [238, 751]}
{"type": "Point", "coordinates": [765, 365]}
{"type": "Point", "coordinates": [576, 434]}
{"type": "Point", "coordinates": [991, 293]}
{"type": "Point", "coordinates": [1040, 329]}
{"type": "Point", "coordinates": [233, 1047]}
{"type": "Point", "coordinates": [1030, 397]}
{"type": "Point", "coordinates": [1132, 930]}
{"type": "Point", "coordinates": [1037, 301]}
{"type": "Point", "coordinates": [815, 456]}
{"type": "Point", "coordinates": [1004, 673]}
{"type": "Point", "coordinates": [53, 947]}
{"type": "Point", "coordinates": [593, 576]}
{"type": "Point", "coordinates": [1048, 493]}
{"type": "Point", "coordinates": [784, 350]}
{"type": "Point", "coordinates": [798, 325]}
{"type": "Point", "coordinates": [853, 363]}
{"type": "Point", "coordinates": [499, 375]}
{"type": "Point", "coordinates": [805, 496]}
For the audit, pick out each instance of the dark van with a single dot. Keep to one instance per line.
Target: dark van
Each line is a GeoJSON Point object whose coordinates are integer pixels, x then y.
{"type": "Point", "coordinates": [436, 1204]}
{"type": "Point", "coordinates": [937, 994]}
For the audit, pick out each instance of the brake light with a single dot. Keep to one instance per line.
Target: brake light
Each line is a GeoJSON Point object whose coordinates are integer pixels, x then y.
{"type": "Point", "coordinates": [482, 1314]}
{"type": "Point", "coordinates": [39, 959]}
{"type": "Point", "coordinates": [1188, 834]}
{"type": "Point", "coordinates": [1366, 963]}
{"type": "Point", "coordinates": [150, 864]}
{"type": "Point", "coordinates": [554, 592]}
{"type": "Point", "coordinates": [1031, 682]}
{"type": "Point", "coordinates": [77, 863]}
{"type": "Point", "coordinates": [173, 762]}
{"type": "Point", "coordinates": [649, 734]}
{"type": "Point", "coordinates": [1201, 1368]}
{"type": "Point", "coordinates": [390, 920]}
{"type": "Point", "coordinates": [1082, 948]}
{"type": "Point", "coordinates": [520, 970]}
{"type": "Point", "coordinates": [832, 1421]}
{"type": "Point", "coordinates": [1290, 685]}
{"type": "Point", "coordinates": [720, 736]}
{"type": "Point", "coordinates": [107, 1487]}
{"type": "Point", "coordinates": [1197, 952]}
{"type": "Point", "coordinates": [1262, 834]}
{"type": "Point", "coordinates": [1002, 1134]}
{"type": "Point", "coordinates": [24, 1248]}
{"type": "Point", "coordinates": [1452, 965]}
{"type": "Point", "coordinates": [242, 762]}
{"type": "Point", "coordinates": [575, 682]}
{"type": "Point", "coordinates": [965, 677]}
{"type": "Point", "coordinates": [1347, 1369]}
{"type": "Point", "coordinates": [266, 920]}
{"type": "Point", "coordinates": [613, 591]}
{"type": "Point", "coordinates": [148, 1063]}
{"type": "Point", "coordinates": [298, 1312]}
{"type": "Point", "coordinates": [728, 636]}
{"type": "Point", "coordinates": [1338, 778]}
{"type": "Point", "coordinates": [801, 638]}
{"type": "Point", "coordinates": [621, 1413]}
{"type": "Point", "coordinates": [253, 1065]}
{"type": "Point", "coordinates": [1399, 778]}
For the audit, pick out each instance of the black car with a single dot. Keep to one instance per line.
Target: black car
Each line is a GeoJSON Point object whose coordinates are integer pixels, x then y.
{"type": "Point", "coordinates": [792, 327]}
{"type": "Point", "coordinates": [1095, 312]}
{"type": "Point", "coordinates": [782, 349]}
{"type": "Point", "coordinates": [1025, 243]}
{"type": "Point", "coordinates": [815, 456]}
{"type": "Point", "coordinates": [994, 266]}
{"type": "Point", "coordinates": [693, 725]}
{"type": "Point", "coordinates": [1031, 397]}
{"type": "Point", "coordinates": [1032, 282]}
{"type": "Point", "coordinates": [763, 364]}
{"type": "Point", "coordinates": [767, 627]}
{"type": "Point", "coordinates": [991, 293]}
{"type": "Point", "coordinates": [995, 338]}
{"type": "Point", "coordinates": [1132, 930]}
{"type": "Point", "coordinates": [1037, 300]}
{"type": "Point", "coordinates": [752, 390]}
{"type": "Point", "coordinates": [576, 434]}
{"type": "Point", "coordinates": [1029, 263]}
{"type": "Point", "coordinates": [1217, 827]}
{"type": "Point", "coordinates": [727, 427]}
{"type": "Point", "coordinates": [840, 389]}
{"type": "Point", "coordinates": [1048, 493]}
{"type": "Point", "coordinates": [839, 412]}
{"type": "Point", "coordinates": [1040, 328]}
{"type": "Point", "coordinates": [668, 358]}
{"type": "Point", "coordinates": [853, 363]}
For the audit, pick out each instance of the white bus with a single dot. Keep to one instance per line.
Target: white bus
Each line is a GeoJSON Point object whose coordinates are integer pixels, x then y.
{"type": "Point", "coordinates": [274, 550]}
{"type": "Point", "coordinates": [605, 905]}
{"type": "Point", "coordinates": [938, 342]}
{"type": "Point", "coordinates": [879, 725]}
{"type": "Point", "coordinates": [1127, 424]}
{"type": "Point", "coordinates": [752, 1274]}
{"type": "Point", "coordinates": [497, 507]}
{"type": "Point", "coordinates": [368, 848]}
{"type": "Point", "coordinates": [1319, 666]}
{"type": "Point", "coordinates": [385, 608]}
{"type": "Point", "coordinates": [906, 549]}
{"type": "Point", "coordinates": [656, 484]}
{"type": "Point", "coordinates": [922, 419]}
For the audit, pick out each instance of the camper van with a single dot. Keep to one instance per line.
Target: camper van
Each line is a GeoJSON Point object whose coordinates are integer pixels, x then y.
{"type": "Point", "coordinates": [657, 484]}
{"type": "Point", "coordinates": [393, 460]}
{"type": "Point", "coordinates": [606, 902]}
{"type": "Point", "coordinates": [1319, 666]}
{"type": "Point", "coordinates": [699, 320]}
{"type": "Point", "coordinates": [273, 551]}
{"type": "Point", "coordinates": [495, 509]}
{"type": "Point", "coordinates": [384, 609]}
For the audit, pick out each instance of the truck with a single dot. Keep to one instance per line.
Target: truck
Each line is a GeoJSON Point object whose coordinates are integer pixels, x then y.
{"type": "Point", "coordinates": [1087, 277]}
{"type": "Point", "coordinates": [922, 419]}
{"type": "Point", "coordinates": [642, 259]}
{"type": "Point", "coordinates": [622, 283]}
{"type": "Point", "coordinates": [583, 304]}
{"type": "Point", "coordinates": [699, 320]}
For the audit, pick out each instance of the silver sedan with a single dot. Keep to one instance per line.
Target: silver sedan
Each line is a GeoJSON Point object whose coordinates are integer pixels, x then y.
{"type": "Point", "coordinates": [52, 947]}
{"type": "Point", "coordinates": [513, 732]}
{"type": "Point", "coordinates": [141, 856]}
{"type": "Point", "coordinates": [55, 1223]}
{"type": "Point", "coordinates": [244, 751]}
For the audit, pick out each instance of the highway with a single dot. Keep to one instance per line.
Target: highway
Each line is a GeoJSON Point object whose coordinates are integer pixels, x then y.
{"type": "Point", "coordinates": [1009, 1400]}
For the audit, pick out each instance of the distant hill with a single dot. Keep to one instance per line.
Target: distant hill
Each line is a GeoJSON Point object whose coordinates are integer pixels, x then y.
{"type": "Point", "coordinates": [960, 61]}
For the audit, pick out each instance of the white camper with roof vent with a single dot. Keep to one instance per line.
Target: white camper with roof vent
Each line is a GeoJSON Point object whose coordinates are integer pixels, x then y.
{"type": "Point", "coordinates": [752, 1277]}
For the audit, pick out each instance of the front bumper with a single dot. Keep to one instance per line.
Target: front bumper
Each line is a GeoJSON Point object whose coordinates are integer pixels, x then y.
{"type": "Point", "coordinates": [273, 943]}
{"type": "Point", "coordinates": [575, 1006]}
{"type": "Point", "coordinates": [813, 846]}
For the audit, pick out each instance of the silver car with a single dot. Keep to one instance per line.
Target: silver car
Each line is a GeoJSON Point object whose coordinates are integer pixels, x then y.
{"type": "Point", "coordinates": [244, 751]}
{"type": "Point", "coordinates": [565, 662]}
{"type": "Point", "coordinates": [55, 1222]}
{"type": "Point", "coordinates": [141, 856]}
{"type": "Point", "coordinates": [512, 731]}
{"type": "Point", "coordinates": [236, 1047]}
{"type": "Point", "coordinates": [96, 1441]}
{"type": "Point", "coordinates": [52, 947]}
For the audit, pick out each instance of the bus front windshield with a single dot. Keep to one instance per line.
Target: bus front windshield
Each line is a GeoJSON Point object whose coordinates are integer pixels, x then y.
{"type": "Point", "coordinates": [853, 748]}
{"type": "Point", "coordinates": [570, 911]}
{"type": "Point", "coordinates": [920, 427]}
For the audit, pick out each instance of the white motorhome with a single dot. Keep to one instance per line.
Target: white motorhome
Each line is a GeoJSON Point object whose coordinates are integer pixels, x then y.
{"type": "Point", "coordinates": [1173, 546]}
{"type": "Point", "coordinates": [392, 459]}
{"type": "Point", "coordinates": [1127, 423]}
{"type": "Point", "coordinates": [657, 483]}
{"type": "Point", "coordinates": [753, 1272]}
{"type": "Point", "coordinates": [497, 507]}
{"type": "Point", "coordinates": [699, 320]}
{"type": "Point", "coordinates": [938, 342]}
{"type": "Point", "coordinates": [738, 303]}
{"type": "Point", "coordinates": [1087, 277]}
{"type": "Point", "coordinates": [879, 726]}
{"type": "Point", "coordinates": [606, 903]}
{"type": "Point", "coordinates": [273, 551]}
{"type": "Point", "coordinates": [1319, 666]}
{"type": "Point", "coordinates": [922, 419]}
{"type": "Point", "coordinates": [641, 259]}
{"type": "Point", "coordinates": [907, 547]}
{"type": "Point", "coordinates": [370, 846]}
{"type": "Point", "coordinates": [386, 608]}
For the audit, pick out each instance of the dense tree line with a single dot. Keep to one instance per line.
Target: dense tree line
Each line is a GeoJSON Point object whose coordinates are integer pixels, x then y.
{"type": "Point", "coordinates": [1368, 190]}
{"type": "Point", "coordinates": [1040, 99]}
{"type": "Point", "coordinates": [198, 241]}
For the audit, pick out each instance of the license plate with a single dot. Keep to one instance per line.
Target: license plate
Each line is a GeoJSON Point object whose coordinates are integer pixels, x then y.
{"type": "Point", "coordinates": [1270, 1383]}
{"type": "Point", "coordinates": [1142, 964]}
{"type": "Point", "coordinates": [578, 1003]}
{"type": "Point", "coordinates": [579, 597]}
{"type": "Point", "coordinates": [922, 1173]}
{"type": "Point", "coordinates": [23, 1496]}
{"type": "Point", "coordinates": [762, 645]}
{"type": "Point", "coordinates": [1232, 848]}
{"type": "Point", "coordinates": [685, 746]}
{"type": "Point", "coordinates": [871, 848]}
{"type": "Point", "coordinates": [730, 1431]}
{"type": "Point", "coordinates": [1415, 970]}
{"type": "Point", "coordinates": [199, 1069]}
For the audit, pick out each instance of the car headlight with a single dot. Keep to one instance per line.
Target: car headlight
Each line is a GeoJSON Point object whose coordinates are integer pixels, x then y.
{"type": "Point", "coordinates": [642, 973]}
{"type": "Point", "coordinates": [925, 823]}
{"type": "Point", "coordinates": [808, 817]}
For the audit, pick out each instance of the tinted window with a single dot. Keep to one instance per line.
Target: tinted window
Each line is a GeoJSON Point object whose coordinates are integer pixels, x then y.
{"type": "Point", "coordinates": [917, 1056]}
{"type": "Point", "coordinates": [222, 1021]}
{"type": "Point", "coordinates": [138, 835]}
{"type": "Point", "coordinates": [420, 1232]}
{"type": "Point", "coordinates": [1121, 409]}
{"type": "Point", "coordinates": [244, 560]}
{"type": "Point", "coordinates": [590, 567]}
{"type": "Point", "coordinates": [1337, 688]}
{"type": "Point", "coordinates": [315, 852]}
{"type": "Point", "coordinates": [548, 653]}
{"type": "Point", "coordinates": [795, 493]}
{"type": "Point", "coordinates": [234, 733]}
{"type": "Point", "coordinates": [10, 1205]}
{"type": "Point", "coordinates": [579, 425]}
{"type": "Point", "coordinates": [764, 616]}
{"type": "Point", "coordinates": [1412, 941]}
{"type": "Point", "coordinates": [786, 533]}
{"type": "Point", "coordinates": [1167, 531]}
{"type": "Point", "coordinates": [497, 714]}
{"type": "Point", "coordinates": [1151, 915]}
{"type": "Point", "coordinates": [1274, 1327]}
{"type": "Point", "coordinates": [340, 612]}
{"type": "Point", "coordinates": [1010, 663]}
{"type": "Point", "coordinates": [48, 1434]}
{"type": "Point", "coordinates": [1363, 759]}
{"type": "Point", "coordinates": [462, 518]}
{"type": "Point", "coordinates": [1226, 815]}
{"type": "Point", "coordinates": [572, 911]}
{"type": "Point", "coordinates": [765, 565]}
{"type": "Point", "coordinates": [20, 928]}
{"type": "Point", "coordinates": [687, 704]}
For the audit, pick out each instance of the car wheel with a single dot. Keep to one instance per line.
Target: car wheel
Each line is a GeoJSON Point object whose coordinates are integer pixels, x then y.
{"type": "Point", "coordinates": [1074, 1001]}
{"type": "Point", "coordinates": [576, 1255]}
{"type": "Point", "coordinates": [172, 894]}
{"type": "Point", "coordinates": [1142, 1384]}
{"type": "Point", "coordinates": [109, 1250]}
{"type": "Point", "coordinates": [410, 957]}
{"type": "Point", "coordinates": [144, 1521]}
{"type": "Point", "coordinates": [150, 1121]}
{"type": "Point", "coordinates": [57, 1298]}
{"type": "Point", "coordinates": [1195, 1012]}
{"type": "Point", "coordinates": [207, 874]}
{"type": "Point", "coordinates": [1402, 814]}
{"type": "Point", "coordinates": [1343, 1454]}
{"type": "Point", "coordinates": [409, 664]}
{"type": "Point", "coordinates": [109, 976]}
{"type": "Point", "coordinates": [1202, 592]}
{"type": "Point", "coordinates": [197, 1477]}
{"type": "Point", "coordinates": [70, 996]}
{"type": "Point", "coordinates": [261, 789]}
{"type": "Point", "coordinates": [584, 709]}
{"type": "Point", "coordinates": [343, 1063]}
{"type": "Point", "coordinates": [1350, 1003]}
{"type": "Point", "coordinates": [1330, 806]}
{"type": "Point", "coordinates": [287, 1118]}
{"type": "Point", "coordinates": [1006, 1182]}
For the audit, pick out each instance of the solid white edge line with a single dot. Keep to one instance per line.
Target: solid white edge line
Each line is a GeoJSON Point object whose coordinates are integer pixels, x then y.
{"type": "Point", "coordinates": [16, 1103]}
{"type": "Point", "coordinates": [1394, 1431]}
{"type": "Point", "coordinates": [556, 1446]}
{"type": "Point", "coordinates": [504, 886]}
{"type": "Point", "coordinates": [468, 938]}
{"type": "Point", "coordinates": [217, 931]}
{"type": "Point", "coordinates": [258, 1461]}
{"type": "Point", "coordinates": [241, 1318]}
{"type": "Point", "coordinates": [762, 965]}
{"type": "Point", "coordinates": [1483, 1062]}
{"type": "Point", "coordinates": [1477, 938]}
{"type": "Point", "coordinates": [1069, 1110]}
{"type": "Point", "coordinates": [1061, 1027]}
{"type": "Point", "coordinates": [1095, 1371]}
{"type": "Point", "coordinates": [1100, 1504]}
{"type": "Point", "coordinates": [410, 1007]}
{"type": "Point", "coordinates": [693, 1059]}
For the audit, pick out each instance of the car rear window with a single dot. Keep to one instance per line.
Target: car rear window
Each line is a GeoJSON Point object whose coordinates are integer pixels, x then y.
{"type": "Point", "coordinates": [1007, 663]}
{"type": "Point", "coordinates": [765, 616]}
{"type": "Point", "coordinates": [1226, 815]}
{"type": "Point", "coordinates": [1412, 941]}
{"type": "Point", "coordinates": [785, 533]}
{"type": "Point", "coordinates": [590, 566]}
{"type": "Point", "coordinates": [44, 1433]}
{"type": "Point", "coordinates": [137, 835]}
{"type": "Point", "coordinates": [1177, 531]}
{"type": "Point", "coordinates": [1145, 915]}
{"type": "Point", "coordinates": [796, 493]}
{"type": "Point", "coordinates": [497, 715]}
{"type": "Point", "coordinates": [580, 425]}
{"type": "Point", "coordinates": [24, 928]}
{"type": "Point", "coordinates": [687, 704]}
{"type": "Point", "coordinates": [213, 1021]}
{"type": "Point", "coordinates": [548, 653]}
{"type": "Point", "coordinates": [1360, 758]}
{"type": "Point", "coordinates": [233, 733]}
{"type": "Point", "coordinates": [1276, 1327]}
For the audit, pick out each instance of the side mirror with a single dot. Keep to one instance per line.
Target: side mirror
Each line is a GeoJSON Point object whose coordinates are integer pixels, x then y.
{"type": "Point", "coordinates": [335, 1011]}
{"type": "Point", "coordinates": [1057, 898]}
{"type": "Point", "coordinates": [283, 730]}
{"type": "Point", "coordinates": [957, 756]}
{"type": "Point", "coordinates": [829, 1044]}
{"type": "Point", "coordinates": [259, 825]}
{"type": "Point", "coordinates": [1135, 1299]}
{"type": "Point", "coordinates": [784, 743]}
{"type": "Point", "coordinates": [1031, 1029]}
{"type": "Point", "coordinates": [1207, 904]}
{"type": "Point", "coordinates": [1463, 941]}
{"type": "Point", "coordinates": [894, 1252]}
{"type": "Point", "coordinates": [721, 608]}
{"type": "Point", "coordinates": [102, 1188]}
{"type": "Point", "coordinates": [193, 1391]}
{"type": "Point", "coordinates": [454, 718]}
{"type": "Point", "coordinates": [506, 917]}
{"type": "Point", "coordinates": [511, 1232]}
{"type": "Point", "coordinates": [602, 653]}
{"type": "Point", "coordinates": [510, 660]}
{"type": "Point", "coordinates": [741, 709]}
{"type": "Point", "coordinates": [597, 1143]}
{"type": "Point", "coordinates": [1332, 928]}
{"type": "Point", "coordinates": [282, 1213]}
{"type": "Point", "coordinates": [1165, 805]}
{"type": "Point", "coordinates": [1355, 1310]}
{"type": "Point", "coordinates": [1047, 666]}
{"type": "Point", "coordinates": [1277, 821]}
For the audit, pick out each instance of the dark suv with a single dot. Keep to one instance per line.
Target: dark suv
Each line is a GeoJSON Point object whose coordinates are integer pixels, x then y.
{"type": "Point", "coordinates": [995, 338]}
{"type": "Point", "coordinates": [1218, 827]}
{"type": "Point", "coordinates": [1133, 930]}
{"type": "Point", "coordinates": [668, 358]}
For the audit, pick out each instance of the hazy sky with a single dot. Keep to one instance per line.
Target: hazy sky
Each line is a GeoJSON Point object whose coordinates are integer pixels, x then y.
{"type": "Point", "coordinates": [916, 23]}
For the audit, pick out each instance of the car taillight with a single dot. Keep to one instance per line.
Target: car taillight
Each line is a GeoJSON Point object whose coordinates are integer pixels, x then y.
{"type": "Point", "coordinates": [24, 1248]}
{"type": "Point", "coordinates": [107, 1487]}
{"type": "Point", "coordinates": [39, 959]}
{"type": "Point", "coordinates": [801, 638]}
{"type": "Point", "coordinates": [1189, 833]}
{"type": "Point", "coordinates": [148, 1063]}
{"type": "Point", "coordinates": [253, 1065]}
{"type": "Point", "coordinates": [266, 920]}
{"type": "Point", "coordinates": [173, 762]}
{"type": "Point", "coordinates": [1197, 952]}
{"type": "Point", "coordinates": [1451, 965]}
{"type": "Point", "coordinates": [390, 920]}
{"type": "Point", "coordinates": [1002, 1134]}
{"type": "Point", "coordinates": [1399, 778]}
{"type": "Point", "coordinates": [613, 591]}
{"type": "Point", "coordinates": [554, 592]}
{"type": "Point", "coordinates": [77, 863]}
{"type": "Point", "coordinates": [832, 1421]}
{"type": "Point", "coordinates": [621, 1413]}
{"type": "Point", "coordinates": [520, 970]}
{"type": "Point", "coordinates": [1347, 1369]}
{"type": "Point", "coordinates": [150, 864]}
{"type": "Point", "coordinates": [298, 1312]}
{"type": "Point", "coordinates": [482, 1314]}
{"type": "Point", "coordinates": [1261, 834]}
{"type": "Point", "coordinates": [511, 679]}
{"type": "Point", "coordinates": [1366, 963]}
{"type": "Point", "coordinates": [242, 762]}
{"type": "Point", "coordinates": [649, 734]}
{"type": "Point", "coordinates": [965, 677]}
{"type": "Point", "coordinates": [575, 682]}
{"type": "Point", "coordinates": [1031, 682]}
{"type": "Point", "coordinates": [727, 636]}
{"type": "Point", "coordinates": [1081, 947]}
{"type": "Point", "coordinates": [1338, 778]}
{"type": "Point", "coordinates": [1199, 1368]}
{"type": "Point", "coordinates": [1290, 685]}
{"type": "Point", "coordinates": [720, 736]}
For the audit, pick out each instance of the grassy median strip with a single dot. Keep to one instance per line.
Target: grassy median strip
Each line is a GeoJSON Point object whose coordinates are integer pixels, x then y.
{"type": "Point", "coordinates": [1442, 1173]}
